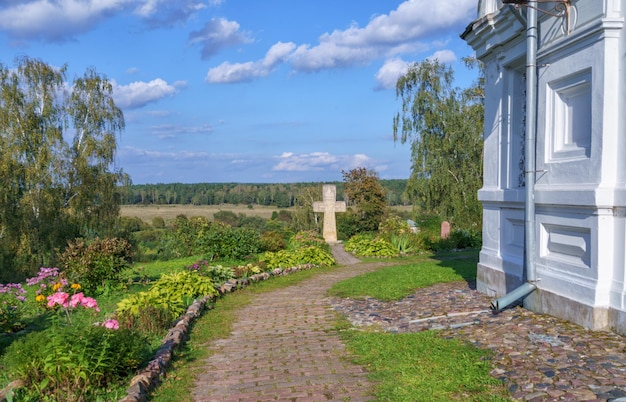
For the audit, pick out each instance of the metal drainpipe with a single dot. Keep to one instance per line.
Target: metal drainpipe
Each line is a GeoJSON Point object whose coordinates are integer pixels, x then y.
{"type": "Point", "coordinates": [531, 125]}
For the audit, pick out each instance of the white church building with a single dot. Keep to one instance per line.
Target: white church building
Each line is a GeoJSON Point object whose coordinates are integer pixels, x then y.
{"type": "Point", "coordinates": [558, 243]}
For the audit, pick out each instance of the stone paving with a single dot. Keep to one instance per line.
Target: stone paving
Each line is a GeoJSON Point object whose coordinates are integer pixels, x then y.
{"type": "Point", "coordinates": [281, 349]}
{"type": "Point", "coordinates": [538, 357]}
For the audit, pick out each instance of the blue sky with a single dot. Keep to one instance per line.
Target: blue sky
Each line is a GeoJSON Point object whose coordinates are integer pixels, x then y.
{"type": "Point", "coordinates": [254, 91]}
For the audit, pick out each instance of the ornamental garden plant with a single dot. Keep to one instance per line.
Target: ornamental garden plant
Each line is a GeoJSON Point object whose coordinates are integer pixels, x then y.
{"type": "Point", "coordinates": [80, 331]}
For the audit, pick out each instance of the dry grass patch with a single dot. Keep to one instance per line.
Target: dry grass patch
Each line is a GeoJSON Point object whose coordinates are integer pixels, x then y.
{"type": "Point", "coordinates": [169, 212]}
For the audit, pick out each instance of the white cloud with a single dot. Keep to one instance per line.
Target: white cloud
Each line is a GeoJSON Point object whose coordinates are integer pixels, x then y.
{"type": "Point", "coordinates": [217, 34]}
{"type": "Point", "coordinates": [59, 20]}
{"type": "Point", "coordinates": [402, 30]}
{"type": "Point", "coordinates": [53, 20]}
{"type": "Point", "coordinates": [241, 72]}
{"type": "Point", "coordinates": [389, 73]}
{"type": "Point", "coordinates": [319, 161]}
{"type": "Point", "coordinates": [443, 56]}
{"type": "Point", "coordinates": [138, 94]}
{"type": "Point", "coordinates": [166, 12]}
{"type": "Point", "coordinates": [415, 26]}
{"type": "Point", "coordinates": [278, 53]}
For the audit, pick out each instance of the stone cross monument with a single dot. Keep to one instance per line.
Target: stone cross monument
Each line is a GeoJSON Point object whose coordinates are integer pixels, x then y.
{"type": "Point", "coordinates": [329, 206]}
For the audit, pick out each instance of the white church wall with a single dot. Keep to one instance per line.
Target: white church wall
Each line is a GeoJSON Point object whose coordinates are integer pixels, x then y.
{"type": "Point", "coordinates": [581, 160]}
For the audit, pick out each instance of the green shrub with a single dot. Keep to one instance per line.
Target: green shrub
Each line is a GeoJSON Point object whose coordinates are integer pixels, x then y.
{"type": "Point", "coordinates": [272, 241]}
{"type": "Point", "coordinates": [219, 274]}
{"type": "Point", "coordinates": [12, 299]}
{"type": "Point", "coordinates": [278, 259]}
{"type": "Point", "coordinates": [73, 362]}
{"type": "Point", "coordinates": [307, 238]}
{"type": "Point", "coordinates": [393, 226]}
{"type": "Point", "coordinates": [216, 240]}
{"type": "Point", "coordinates": [158, 222]}
{"type": "Point", "coordinates": [365, 246]}
{"type": "Point", "coordinates": [314, 255]}
{"type": "Point", "coordinates": [147, 319]}
{"type": "Point", "coordinates": [228, 217]}
{"type": "Point", "coordinates": [305, 255]}
{"type": "Point", "coordinates": [356, 241]}
{"type": "Point", "coordinates": [97, 263]}
{"type": "Point", "coordinates": [128, 224]}
{"type": "Point", "coordinates": [244, 271]}
{"type": "Point", "coordinates": [458, 239]}
{"type": "Point", "coordinates": [402, 242]}
{"type": "Point", "coordinates": [172, 292]}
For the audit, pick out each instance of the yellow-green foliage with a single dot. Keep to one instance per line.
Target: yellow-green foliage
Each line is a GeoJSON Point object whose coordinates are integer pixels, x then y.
{"type": "Point", "coordinates": [367, 247]}
{"type": "Point", "coordinates": [172, 292]}
{"type": "Point", "coordinates": [305, 255]}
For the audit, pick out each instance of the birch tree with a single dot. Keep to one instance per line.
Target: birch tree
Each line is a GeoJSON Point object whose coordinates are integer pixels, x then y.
{"type": "Point", "coordinates": [444, 125]}
{"type": "Point", "coordinates": [56, 162]}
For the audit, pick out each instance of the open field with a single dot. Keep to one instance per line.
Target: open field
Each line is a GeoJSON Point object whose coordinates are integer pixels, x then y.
{"type": "Point", "coordinates": [169, 212]}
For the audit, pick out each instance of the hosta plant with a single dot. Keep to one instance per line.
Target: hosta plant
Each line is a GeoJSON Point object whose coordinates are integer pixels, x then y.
{"type": "Point", "coordinates": [304, 255]}
{"type": "Point", "coordinates": [378, 247]}
{"type": "Point", "coordinates": [244, 271]}
{"type": "Point", "coordinates": [172, 292]}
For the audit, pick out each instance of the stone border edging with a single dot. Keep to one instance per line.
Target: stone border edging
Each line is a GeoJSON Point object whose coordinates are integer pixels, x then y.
{"type": "Point", "coordinates": [150, 377]}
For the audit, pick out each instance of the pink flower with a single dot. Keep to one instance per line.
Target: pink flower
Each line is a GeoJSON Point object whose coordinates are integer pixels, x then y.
{"type": "Point", "coordinates": [111, 324]}
{"type": "Point", "coordinates": [89, 302]}
{"type": "Point", "coordinates": [60, 298]}
{"type": "Point", "coordinates": [77, 299]}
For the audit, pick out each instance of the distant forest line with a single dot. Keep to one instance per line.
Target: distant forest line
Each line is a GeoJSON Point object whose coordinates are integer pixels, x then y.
{"type": "Point", "coordinates": [281, 195]}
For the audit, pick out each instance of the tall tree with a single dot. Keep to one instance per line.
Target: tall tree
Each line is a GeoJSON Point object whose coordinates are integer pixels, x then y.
{"type": "Point", "coordinates": [445, 127]}
{"type": "Point", "coordinates": [303, 218]}
{"type": "Point", "coordinates": [56, 155]}
{"type": "Point", "coordinates": [366, 198]}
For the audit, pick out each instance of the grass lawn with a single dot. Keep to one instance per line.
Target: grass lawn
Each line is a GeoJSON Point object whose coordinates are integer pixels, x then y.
{"type": "Point", "coordinates": [405, 367]}
{"type": "Point", "coordinates": [423, 366]}
{"type": "Point", "coordinates": [401, 280]}
{"type": "Point", "coordinates": [419, 366]}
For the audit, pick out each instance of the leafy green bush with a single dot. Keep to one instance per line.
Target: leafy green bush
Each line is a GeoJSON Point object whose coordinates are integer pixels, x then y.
{"type": "Point", "coordinates": [458, 239]}
{"type": "Point", "coordinates": [128, 224]}
{"type": "Point", "coordinates": [219, 274]}
{"type": "Point", "coordinates": [228, 217]}
{"type": "Point", "coordinates": [244, 271]}
{"type": "Point", "coordinates": [222, 241]}
{"type": "Point", "coordinates": [402, 242]}
{"type": "Point", "coordinates": [97, 263]}
{"type": "Point", "coordinates": [216, 240]}
{"type": "Point", "coordinates": [12, 298]}
{"type": "Point", "coordinates": [314, 255]}
{"type": "Point", "coordinates": [73, 362]}
{"type": "Point", "coordinates": [393, 226]}
{"type": "Point", "coordinates": [147, 319]}
{"type": "Point", "coordinates": [172, 292]}
{"type": "Point", "coordinates": [357, 240]}
{"type": "Point", "coordinates": [365, 246]}
{"type": "Point", "coordinates": [307, 238]}
{"type": "Point", "coordinates": [278, 259]}
{"type": "Point", "coordinates": [158, 222]}
{"type": "Point", "coordinates": [75, 357]}
{"type": "Point", "coordinates": [272, 241]}
{"type": "Point", "coordinates": [305, 255]}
